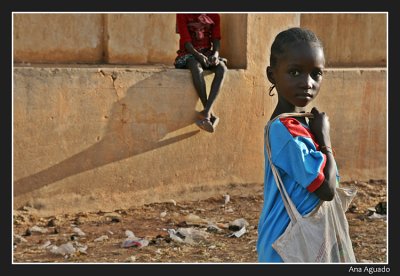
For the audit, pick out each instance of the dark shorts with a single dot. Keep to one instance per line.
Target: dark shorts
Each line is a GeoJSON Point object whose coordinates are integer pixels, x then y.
{"type": "Point", "coordinates": [181, 60]}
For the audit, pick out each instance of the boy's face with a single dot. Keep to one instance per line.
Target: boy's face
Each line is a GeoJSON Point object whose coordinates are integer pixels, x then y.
{"type": "Point", "coordinates": [298, 73]}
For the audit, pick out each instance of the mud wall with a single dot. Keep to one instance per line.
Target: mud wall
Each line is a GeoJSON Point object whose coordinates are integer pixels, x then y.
{"type": "Point", "coordinates": [102, 120]}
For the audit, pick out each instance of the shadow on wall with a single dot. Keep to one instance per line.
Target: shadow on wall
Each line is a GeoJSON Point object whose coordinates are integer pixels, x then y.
{"type": "Point", "coordinates": [138, 123]}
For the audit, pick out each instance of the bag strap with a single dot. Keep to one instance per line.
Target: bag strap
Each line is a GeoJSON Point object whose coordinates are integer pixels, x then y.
{"type": "Point", "coordinates": [289, 205]}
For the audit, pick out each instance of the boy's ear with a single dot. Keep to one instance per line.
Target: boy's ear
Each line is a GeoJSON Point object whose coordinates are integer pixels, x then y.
{"type": "Point", "coordinates": [270, 75]}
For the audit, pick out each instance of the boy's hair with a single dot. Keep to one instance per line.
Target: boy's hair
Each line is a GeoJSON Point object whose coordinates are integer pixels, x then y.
{"type": "Point", "coordinates": [289, 37]}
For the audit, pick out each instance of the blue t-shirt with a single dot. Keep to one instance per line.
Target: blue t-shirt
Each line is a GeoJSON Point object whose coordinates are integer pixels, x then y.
{"type": "Point", "coordinates": [296, 155]}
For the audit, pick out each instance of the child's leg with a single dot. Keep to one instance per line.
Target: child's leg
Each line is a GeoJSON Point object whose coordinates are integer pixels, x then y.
{"type": "Point", "coordinates": [200, 85]}
{"type": "Point", "coordinates": [198, 79]}
{"type": "Point", "coordinates": [220, 71]}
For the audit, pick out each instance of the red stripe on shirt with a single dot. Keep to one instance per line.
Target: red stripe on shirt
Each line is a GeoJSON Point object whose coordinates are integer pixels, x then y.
{"type": "Point", "coordinates": [319, 179]}
{"type": "Point", "coordinates": [295, 128]}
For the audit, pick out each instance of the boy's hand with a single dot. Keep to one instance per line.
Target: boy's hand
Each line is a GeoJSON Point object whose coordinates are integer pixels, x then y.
{"type": "Point", "coordinates": [320, 126]}
{"type": "Point", "coordinates": [203, 60]}
{"type": "Point", "coordinates": [214, 60]}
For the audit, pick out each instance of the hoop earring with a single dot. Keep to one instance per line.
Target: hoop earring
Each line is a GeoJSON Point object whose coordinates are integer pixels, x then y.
{"type": "Point", "coordinates": [270, 90]}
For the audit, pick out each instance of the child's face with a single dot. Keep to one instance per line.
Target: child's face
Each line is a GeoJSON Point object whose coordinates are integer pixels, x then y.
{"type": "Point", "coordinates": [298, 73]}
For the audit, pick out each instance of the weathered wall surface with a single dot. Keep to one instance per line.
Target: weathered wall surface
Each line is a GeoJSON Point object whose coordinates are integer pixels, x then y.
{"type": "Point", "coordinates": [356, 102]}
{"type": "Point", "coordinates": [58, 38]}
{"type": "Point", "coordinates": [126, 38]}
{"type": "Point", "coordinates": [100, 136]}
{"type": "Point", "coordinates": [351, 40]}
{"type": "Point", "coordinates": [136, 38]}
{"type": "Point", "coordinates": [118, 137]}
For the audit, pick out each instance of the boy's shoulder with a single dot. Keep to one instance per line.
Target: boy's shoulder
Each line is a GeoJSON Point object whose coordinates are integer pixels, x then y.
{"type": "Point", "coordinates": [283, 130]}
{"type": "Point", "coordinates": [294, 127]}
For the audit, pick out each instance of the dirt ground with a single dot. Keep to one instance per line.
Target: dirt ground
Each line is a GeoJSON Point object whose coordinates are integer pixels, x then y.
{"type": "Point", "coordinates": [220, 229]}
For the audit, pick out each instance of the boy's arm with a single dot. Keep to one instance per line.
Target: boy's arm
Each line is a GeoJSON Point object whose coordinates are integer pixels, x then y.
{"type": "Point", "coordinates": [199, 56]}
{"type": "Point", "coordinates": [320, 126]}
{"type": "Point", "coordinates": [215, 56]}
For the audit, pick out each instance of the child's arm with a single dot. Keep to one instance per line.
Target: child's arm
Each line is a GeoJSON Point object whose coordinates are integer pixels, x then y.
{"type": "Point", "coordinates": [214, 59]}
{"type": "Point", "coordinates": [199, 56]}
{"type": "Point", "coordinates": [320, 126]}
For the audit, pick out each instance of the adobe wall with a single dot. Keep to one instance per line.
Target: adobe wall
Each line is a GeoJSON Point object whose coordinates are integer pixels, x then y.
{"type": "Point", "coordinates": [98, 126]}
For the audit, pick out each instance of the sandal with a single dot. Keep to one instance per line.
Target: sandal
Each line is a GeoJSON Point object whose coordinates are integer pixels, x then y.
{"type": "Point", "coordinates": [214, 120]}
{"type": "Point", "coordinates": [205, 124]}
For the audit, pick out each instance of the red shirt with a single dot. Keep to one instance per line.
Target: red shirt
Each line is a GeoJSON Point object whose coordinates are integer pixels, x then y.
{"type": "Point", "coordinates": [199, 29]}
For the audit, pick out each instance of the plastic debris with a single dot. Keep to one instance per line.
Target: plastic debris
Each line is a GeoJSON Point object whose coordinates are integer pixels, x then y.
{"type": "Point", "coordinates": [239, 233]}
{"type": "Point", "coordinates": [188, 235]}
{"type": "Point", "coordinates": [214, 228]}
{"type": "Point", "coordinates": [238, 224]}
{"type": "Point", "coordinates": [129, 233]}
{"type": "Point", "coordinates": [376, 216]}
{"type": "Point", "coordinates": [81, 248]}
{"type": "Point", "coordinates": [19, 239]}
{"type": "Point", "coordinates": [175, 236]}
{"type": "Point", "coordinates": [377, 212]}
{"type": "Point", "coordinates": [380, 208]}
{"type": "Point", "coordinates": [371, 210]}
{"type": "Point", "coordinates": [78, 231]}
{"type": "Point", "coordinates": [64, 249]}
{"type": "Point", "coordinates": [133, 241]}
{"type": "Point", "coordinates": [101, 238]}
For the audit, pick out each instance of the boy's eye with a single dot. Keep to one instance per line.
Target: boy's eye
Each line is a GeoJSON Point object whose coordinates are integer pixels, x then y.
{"type": "Point", "coordinates": [294, 73]}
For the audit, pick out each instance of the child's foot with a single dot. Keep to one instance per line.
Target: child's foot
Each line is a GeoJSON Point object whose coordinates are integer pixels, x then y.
{"type": "Point", "coordinates": [205, 122]}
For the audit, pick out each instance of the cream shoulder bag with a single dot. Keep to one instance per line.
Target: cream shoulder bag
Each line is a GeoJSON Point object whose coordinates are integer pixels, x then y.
{"type": "Point", "coordinates": [322, 236]}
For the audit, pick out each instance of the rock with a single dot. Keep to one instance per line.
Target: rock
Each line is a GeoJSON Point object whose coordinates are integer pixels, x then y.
{"type": "Point", "coordinates": [37, 229]}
